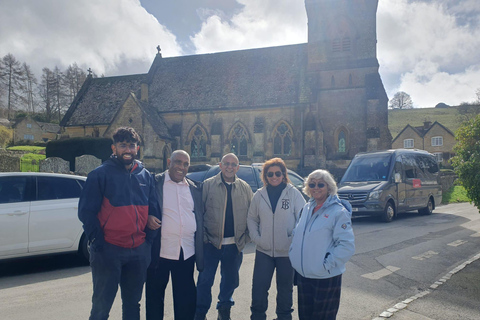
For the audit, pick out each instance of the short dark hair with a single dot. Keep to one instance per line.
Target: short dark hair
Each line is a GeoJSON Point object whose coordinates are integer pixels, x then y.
{"type": "Point", "coordinates": [125, 134]}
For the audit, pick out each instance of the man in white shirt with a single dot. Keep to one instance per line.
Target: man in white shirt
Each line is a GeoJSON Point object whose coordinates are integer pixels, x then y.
{"type": "Point", "coordinates": [179, 244]}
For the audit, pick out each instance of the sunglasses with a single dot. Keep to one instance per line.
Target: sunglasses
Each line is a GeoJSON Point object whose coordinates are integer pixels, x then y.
{"type": "Point", "coordinates": [230, 164]}
{"type": "Point", "coordinates": [319, 185]}
{"type": "Point", "coordinates": [277, 173]}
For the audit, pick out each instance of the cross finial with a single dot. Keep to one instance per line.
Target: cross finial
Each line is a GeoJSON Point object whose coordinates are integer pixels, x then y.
{"type": "Point", "coordinates": [158, 49]}
{"type": "Point", "coordinates": [89, 71]}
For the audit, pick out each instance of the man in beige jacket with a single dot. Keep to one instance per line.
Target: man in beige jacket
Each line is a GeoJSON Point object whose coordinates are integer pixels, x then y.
{"type": "Point", "coordinates": [226, 199]}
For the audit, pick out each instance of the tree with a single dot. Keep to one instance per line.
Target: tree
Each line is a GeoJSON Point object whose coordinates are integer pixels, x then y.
{"type": "Point", "coordinates": [11, 79]}
{"type": "Point", "coordinates": [47, 92]}
{"type": "Point", "coordinates": [466, 162]}
{"type": "Point", "coordinates": [30, 81]}
{"type": "Point", "coordinates": [73, 80]}
{"type": "Point", "coordinates": [401, 100]}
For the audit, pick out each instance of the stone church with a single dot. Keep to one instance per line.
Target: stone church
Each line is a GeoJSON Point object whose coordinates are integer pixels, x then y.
{"type": "Point", "coordinates": [315, 104]}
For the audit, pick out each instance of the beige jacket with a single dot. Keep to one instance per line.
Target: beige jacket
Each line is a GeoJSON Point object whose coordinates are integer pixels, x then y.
{"type": "Point", "coordinates": [215, 201]}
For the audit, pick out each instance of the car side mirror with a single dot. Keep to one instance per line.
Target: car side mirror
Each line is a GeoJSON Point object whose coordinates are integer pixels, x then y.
{"type": "Point", "coordinates": [398, 178]}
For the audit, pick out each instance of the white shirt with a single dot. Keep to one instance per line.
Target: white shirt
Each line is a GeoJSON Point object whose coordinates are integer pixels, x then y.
{"type": "Point", "coordinates": [178, 220]}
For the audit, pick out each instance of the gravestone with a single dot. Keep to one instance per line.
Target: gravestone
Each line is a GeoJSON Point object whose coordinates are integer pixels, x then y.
{"type": "Point", "coordinates": [86, 163]}
{"type": "Point", "coordinates": [55, 164]}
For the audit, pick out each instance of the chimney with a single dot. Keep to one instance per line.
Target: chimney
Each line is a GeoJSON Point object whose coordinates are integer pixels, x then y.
{"type": "Point", "coordinates": [427, 124]}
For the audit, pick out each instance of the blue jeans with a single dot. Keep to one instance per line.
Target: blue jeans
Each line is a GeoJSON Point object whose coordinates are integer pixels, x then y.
{"type": "Point", "coordinates": [230, 260]}
{"type": "Point", "coordinates": [115, 265]}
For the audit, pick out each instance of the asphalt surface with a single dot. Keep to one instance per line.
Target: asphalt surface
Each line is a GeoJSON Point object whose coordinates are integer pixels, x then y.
{"type": "Point", "coordinates": [456, 295]}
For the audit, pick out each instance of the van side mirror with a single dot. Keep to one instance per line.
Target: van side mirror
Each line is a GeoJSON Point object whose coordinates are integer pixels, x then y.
{"type": "Point", "coordinates": [398, 178]}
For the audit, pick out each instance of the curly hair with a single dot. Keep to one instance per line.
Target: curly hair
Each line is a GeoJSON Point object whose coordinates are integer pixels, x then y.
{"type": "Point", "coordinates": [274, 162]}
{"type": "Point", "coordinates": [125, 134]}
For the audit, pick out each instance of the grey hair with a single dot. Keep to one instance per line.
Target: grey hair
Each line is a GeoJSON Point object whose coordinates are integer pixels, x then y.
{"type": "Point", "coordinates": [324, 175]}
{"type": "Point", "coordinates": [177, 152]}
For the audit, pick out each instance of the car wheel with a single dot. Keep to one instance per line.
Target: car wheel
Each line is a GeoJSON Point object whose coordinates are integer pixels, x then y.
{"type": "Point", "coordinates": [428, 210]}
{"type": "Point", "coordinates": [84, 249]}
{"type": "Point", "coordinates": [388, 213]}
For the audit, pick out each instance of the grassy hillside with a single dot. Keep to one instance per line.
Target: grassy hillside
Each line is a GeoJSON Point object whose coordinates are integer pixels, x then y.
{"type": "Point", "coordinates": [398, 119]}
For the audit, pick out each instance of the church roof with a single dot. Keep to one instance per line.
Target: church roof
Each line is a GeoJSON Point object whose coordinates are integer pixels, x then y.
{"type": "Point", "coordinates": [100, 99]}
{"type": "Point", "coordinates": [236, 79]}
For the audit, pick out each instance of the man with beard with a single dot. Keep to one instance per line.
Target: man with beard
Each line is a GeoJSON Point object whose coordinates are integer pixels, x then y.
{"type": "Point", "coordinates": [114, 207]}
{"type": "Point", "coordinates": [179, 245]}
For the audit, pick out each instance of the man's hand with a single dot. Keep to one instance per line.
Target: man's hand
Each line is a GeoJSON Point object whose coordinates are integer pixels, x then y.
{"type": "Point", "coordinates": [153, 223]}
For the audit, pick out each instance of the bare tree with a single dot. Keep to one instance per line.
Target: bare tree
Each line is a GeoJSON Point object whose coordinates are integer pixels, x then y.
{"type": "Point", "coordinates": [47, 92]}
{"type": "Point", "coordinates": [73, 80]}
{"type": "Point", "coordinates": [477, 92]}
{"type": "Point", "coordinates": [401, 100]}
{"type": "Point", "coordinates": [30, 82]}
{"type": "Point", "coordinates": [11, 79]}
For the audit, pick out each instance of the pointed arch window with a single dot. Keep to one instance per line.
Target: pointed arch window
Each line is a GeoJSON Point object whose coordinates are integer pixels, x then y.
{"type": "Point", "coordinates": [282, 140]}
{"type": "Point", "coordinates": [342, 142]}
{"type": "Point", "coordinates": [198, 146]}
{"type": "Point", "coordinates": [239, 141]}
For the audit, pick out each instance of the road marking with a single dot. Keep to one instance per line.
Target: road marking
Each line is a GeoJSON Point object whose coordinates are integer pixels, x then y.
{"type": "Point", "coordinates": [380, 273]}
{"type": "Point", "coordinates": [457, 243]}
{"type": "Point", "coordinates": [426, 255]}
{"type": "Point", "coordinates": [475, 235]}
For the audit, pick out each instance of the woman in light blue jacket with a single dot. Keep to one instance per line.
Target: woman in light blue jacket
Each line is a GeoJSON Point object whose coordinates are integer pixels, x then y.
{"type": "Point", "coordinates": [323, 242]}
{"type": "Point", "coordinates": [272, 217]}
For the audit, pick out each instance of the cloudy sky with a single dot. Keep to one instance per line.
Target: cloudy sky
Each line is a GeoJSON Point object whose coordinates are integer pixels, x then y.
{"type": "Point", "coordinates": [427, 48]}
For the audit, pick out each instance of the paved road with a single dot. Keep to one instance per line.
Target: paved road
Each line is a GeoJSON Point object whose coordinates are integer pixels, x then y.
{"type": "Point", "coordinates": [393, 262]}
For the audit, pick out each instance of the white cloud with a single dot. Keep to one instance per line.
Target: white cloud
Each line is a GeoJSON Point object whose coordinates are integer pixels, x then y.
{"type": "Point", "coordinates": [106, 35]}
{"type": "Point", "coordinates": [428, 51]}
{"type": "Point", "coordinates": [260, 24]}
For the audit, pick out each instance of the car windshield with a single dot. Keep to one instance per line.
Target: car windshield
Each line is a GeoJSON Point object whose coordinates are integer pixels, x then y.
{"type": "Point", "coordinates": [368, 167]}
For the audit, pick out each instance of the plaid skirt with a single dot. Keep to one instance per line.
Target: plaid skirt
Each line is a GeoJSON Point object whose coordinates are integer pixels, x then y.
{"type": "Point", "coordinates": [318, 299]}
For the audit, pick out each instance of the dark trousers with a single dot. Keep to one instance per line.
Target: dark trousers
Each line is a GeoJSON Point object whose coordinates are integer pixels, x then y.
{"type": "Point", "coordinates": [230, 260]}
{"type": "Point", "coordinates": [115, 266]}
{"type": "Point", "coordinates": [183, 287]}
{"type": "Point", "coordinates": [319, 298]}
{"type": "Point", "coordinates": [262, 279]}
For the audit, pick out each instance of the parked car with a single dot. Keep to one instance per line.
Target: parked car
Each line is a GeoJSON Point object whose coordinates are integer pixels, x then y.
{"type": "Point", "coordinates": [248, 173]}
{"type": "Point", "coordinates": [386, 183]}
{"type": "Point", "coordinates": [38, 214]}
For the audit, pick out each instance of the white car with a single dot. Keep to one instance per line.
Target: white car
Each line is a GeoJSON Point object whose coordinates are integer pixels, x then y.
{"type": "Point", "coordinates": [38, 214]}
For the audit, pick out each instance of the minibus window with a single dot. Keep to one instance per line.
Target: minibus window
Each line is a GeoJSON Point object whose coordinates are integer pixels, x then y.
{"type": "Point", "coordinates": [368, 167]}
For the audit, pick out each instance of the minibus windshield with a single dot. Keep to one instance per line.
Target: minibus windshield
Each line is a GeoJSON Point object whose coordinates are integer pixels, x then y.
{"type": "Point", "coordinates": [368, 167]}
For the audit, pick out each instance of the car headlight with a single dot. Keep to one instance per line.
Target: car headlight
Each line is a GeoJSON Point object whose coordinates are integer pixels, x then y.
{"type": "Point", "coordinates": [374, 195]}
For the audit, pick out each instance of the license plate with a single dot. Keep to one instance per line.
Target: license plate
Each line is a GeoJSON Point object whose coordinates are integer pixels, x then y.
{"type": "Point", "coordinates": [354, 209]}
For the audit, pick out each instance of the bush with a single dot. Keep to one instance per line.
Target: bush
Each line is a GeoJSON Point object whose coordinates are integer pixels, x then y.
{"type": "Point", "coordinates": [69, 149]}
{"type": "Point", "coordinates": [467, 159]}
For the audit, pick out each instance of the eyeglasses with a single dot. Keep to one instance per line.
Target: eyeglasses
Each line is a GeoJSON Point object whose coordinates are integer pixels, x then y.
{"type": "Point", "coordinates": [319, 185]}
{"type": "Point", "coordinates": [276, 173]}
{"type": "Point", "coordinates": [230, 164]}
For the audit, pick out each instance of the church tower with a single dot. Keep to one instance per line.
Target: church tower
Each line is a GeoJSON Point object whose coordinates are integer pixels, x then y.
{"type": "Point", "coordinates": [344, 79]}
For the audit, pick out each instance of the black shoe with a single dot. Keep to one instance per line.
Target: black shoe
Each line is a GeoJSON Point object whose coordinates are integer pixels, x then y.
{"type": "Point", "coordinates": [224, 314]}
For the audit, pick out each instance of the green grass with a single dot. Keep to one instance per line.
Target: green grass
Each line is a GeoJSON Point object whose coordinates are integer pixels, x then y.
{"type": "Point", "coordinates": [398, 119]}
{"type": "Point", "coordinates": [32, 149]}
{"type": "Point", "coordinates": [455, 194]}
{"type": "Point", "coordinates": [30, 162]}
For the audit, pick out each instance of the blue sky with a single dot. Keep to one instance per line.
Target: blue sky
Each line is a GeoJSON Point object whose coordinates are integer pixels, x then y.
{"type": "Point", "coordinates": [429, 49]}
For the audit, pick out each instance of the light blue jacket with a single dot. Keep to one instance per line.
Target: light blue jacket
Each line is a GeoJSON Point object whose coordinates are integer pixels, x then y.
{"type": "Point", "coordinates": [323, 242]}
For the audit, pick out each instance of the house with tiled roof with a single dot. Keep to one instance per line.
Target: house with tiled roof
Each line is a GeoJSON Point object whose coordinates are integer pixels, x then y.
{"type": "Point", "coordinates": [314, 104]}
{"type": "Point", "coordinates": [432, 137]}
{"type": "Point", "coordinates": [29, 130]}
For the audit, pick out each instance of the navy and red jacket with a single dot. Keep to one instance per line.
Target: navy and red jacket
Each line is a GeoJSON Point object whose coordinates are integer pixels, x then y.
{"type": "Point", "coordinates": [115, 204]}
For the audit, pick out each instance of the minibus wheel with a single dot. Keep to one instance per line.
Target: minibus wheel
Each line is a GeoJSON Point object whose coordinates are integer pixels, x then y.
{"type": "Point", "coordinates": [389, 212]}
{"type": "Point", "coordinates": [428, 210]}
